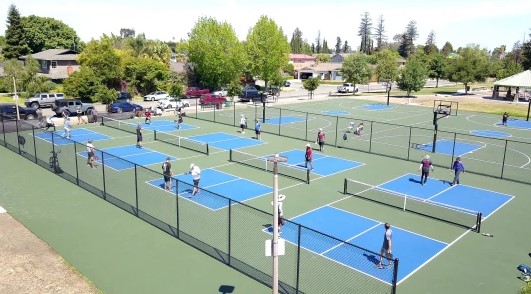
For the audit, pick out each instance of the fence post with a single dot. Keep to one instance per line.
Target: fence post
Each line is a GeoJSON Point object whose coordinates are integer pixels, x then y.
{"type": "Point", "coordinates": [337, 126]}
{"type": "Point", "coordinates": [409, 143]}
{"type": "Point", "coordinates": [395, 275]}
{"type": "Point", "coordinates": [504, 154]}
{"type": "Point", "coordinates": [177, 207]}
{"type": "Point", "coordinates": [103, 172]}
{"type": "Point", "coordinates": [54, 159]}
{"type": "Point", "coordinates": [370, 138]}
{"type": "Point", "coordinates": [77, 167]}
{"type": "Point", "coordinates": [230, 232]}
{"type": "Point", "coordinates": [18, 143]}
{"type": "Point", "coordinates": [297, 278]}
{"type": "Point", "coordinates": [34, 145]}
{"type": "Point", "coordinates": [234, 112]}
{"type": "Point", "coordinates": [136, 189]}
{"type": "Point", "coordinates": [453, 150]}
{"type": "Point", "coordinates": [3, 131]}
{"type": "Point", "coordinates": [306, 135]}
{"type": "Point", "coordinates": [279, 120]}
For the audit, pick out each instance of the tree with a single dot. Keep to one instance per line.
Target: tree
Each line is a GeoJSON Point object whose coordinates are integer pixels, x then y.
{"type": "Point", "coordinates": [126, 33]}
{"type": "Point", "coordinates": [436, 66]}
{"type": "Point", "coordinates": [146, 75]}
{"type": "Point", "coordinates": [386, 65]}
{"type": "Point", "coordinates": [136, 46]}
{"type": "Point", "coordinates": [318, 47]}
{"type": "Point", "coordinates": [158, 51]}
{"type": "Point", "coordinates": [430, 47]}
{"type": "Point", "coordinates": [365, 33]}
{"type": "Point", "coordinates": [311, 85]}
{"type": "Point", "coordinates": [234, 88]}
{"type": "Point", "coordinates": [43, 33]}
{"type": "Point", "coordinates": [346, 47]}
{"type": "Point", "coordinates": [13, 70]}
{"type": "Point", "coordinates": [526, 55]}
{"type": "Point", "coordinates": [296, 43]}
{"type": "Point", "coordinates": [338, 45]}
{"type": "Point", "coordinates": [380, 33]}
{"type": "Point", "coordinates": [176, 85]}
{"type": "Point", "coordinates": [356, 69]}
{"type": "Point", "coordinates": [325, 49]}
{"type": "Point", "coordinates": [216, 53]}
{"type": "Point", "coordinates": [16, 43]}
{"type": "Point", "coordinates": [103, 60]}
{"type": "Point", "coordinates": [447, 48]}
{"type": "Point", "coordinates": [267, 48]}
{"type": "Point", "coordinates": [307, 48]}
{"type": "Point", "coordinates": [413, 76]}
{"type": "Point", "coordinates": [25, 75]}
{"type": "Point", "coordinates": [323, 58]}
{"type": "Point", "coordinates": [83, 84]}
{"type": "Point", "coordinates": [470, 66]}
{"type": "Point", "coordinates": [407, 39]}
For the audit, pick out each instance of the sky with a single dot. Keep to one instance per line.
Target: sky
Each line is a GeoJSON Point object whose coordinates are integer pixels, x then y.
{"type": "Point", "coordinates": [489, 23]}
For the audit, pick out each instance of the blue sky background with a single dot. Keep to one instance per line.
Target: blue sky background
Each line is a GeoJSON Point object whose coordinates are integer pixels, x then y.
{"type": "Point", "coordinates": [487, 23]}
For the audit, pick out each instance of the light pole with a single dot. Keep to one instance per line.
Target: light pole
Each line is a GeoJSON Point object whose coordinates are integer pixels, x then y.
{"type": "Point", "coordinates": [388, 85]}
{"type": "Point", "coordinates": [275, 160]}
{"type": "Point", "coordinates": [15, 97]}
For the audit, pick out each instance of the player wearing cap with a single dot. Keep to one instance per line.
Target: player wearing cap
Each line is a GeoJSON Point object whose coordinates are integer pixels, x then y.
{"type": "Point", "coordinates": [280, 220]}
{"type": "Point", "coordinates": [195, 171]}
{"type": "Point", "coordinates": [308, 156]}
{"type": "Point", "coordinates": [258, 129]}
{"type": "Point", "coordinates": [243, 123]}
{"type": "Point", "coordinates": [321, 139]}
{"type": "Point", "coordinates": [167, 173]}
{"type": "Point", "coordinates": [425, 166]}
{"type": "Point", "coordinates": [90, 156]}
{"type": "Point", "coordinates": [458, 168]}
{"type": "Point", "coordinates": [387, 246]}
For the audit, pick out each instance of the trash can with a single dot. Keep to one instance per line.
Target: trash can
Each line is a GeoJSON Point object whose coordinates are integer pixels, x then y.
{"type": "Point", "coordinates": [227, 103]}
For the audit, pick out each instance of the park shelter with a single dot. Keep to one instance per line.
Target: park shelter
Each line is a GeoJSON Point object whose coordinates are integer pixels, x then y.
{"type": "Point", "coordinates": [520, 80]}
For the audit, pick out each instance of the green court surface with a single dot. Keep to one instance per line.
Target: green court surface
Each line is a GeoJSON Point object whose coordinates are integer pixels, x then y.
{"type": "Point", "coordinates": [113, 248]}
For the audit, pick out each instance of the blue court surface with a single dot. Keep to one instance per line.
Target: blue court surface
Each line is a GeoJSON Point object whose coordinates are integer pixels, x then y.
{"type": "Point", "coordinates": [523, 124]}
{"type": "Point", "coordinates": [323, 165]}
{"type": "Point", "coordinates": [217, 182]}
{"type": "Point", "coordinates": [335, 112]}
{"type": "Point", "coordinates": [377, 106]}
{"type": "Point", "coordinates": [412, 250]}
{"type": "Point", "coordinates": [76, 135]}
{"type": "Point", "coordinates": [284, 120]}
{"type": "Point", "coordinates": [124, 157]}
{"type": "Point", "coordinates": [490, 134]}
{"type": "Point", "coordinates": [166, 126]}
{"type": "Point", "coordinates": [439, 191]}
{"type": "Point", "coordinates": [225, 141]}
{"type": "Point", "coordinates": [447, 147]}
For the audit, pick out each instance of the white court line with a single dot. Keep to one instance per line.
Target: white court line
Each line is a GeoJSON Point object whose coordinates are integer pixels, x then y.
{"type": "Point", "coordinates": [2, 210]}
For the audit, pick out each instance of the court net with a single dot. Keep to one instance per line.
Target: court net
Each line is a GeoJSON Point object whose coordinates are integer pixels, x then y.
{"type": "Point", "coordinates": [118, 124]}
{"type": "Point", "coordinates": [182, 142]}
{"type": "Point", "coordinates": [301, 174]}
{"type": "Point", "coordinates": [454, 215]}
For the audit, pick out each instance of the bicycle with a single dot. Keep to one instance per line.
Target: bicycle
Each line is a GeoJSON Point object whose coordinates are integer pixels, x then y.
{"type": "Point", "coordinates": [54, 162]}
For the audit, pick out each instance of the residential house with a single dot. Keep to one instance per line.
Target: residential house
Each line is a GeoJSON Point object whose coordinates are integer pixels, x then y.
{"type": "Point", "coordinates": [300, 58]}
{"type": "Point", "coordinates": [56, 64]}
{"type": "Point", "coordinates": [323, 71]}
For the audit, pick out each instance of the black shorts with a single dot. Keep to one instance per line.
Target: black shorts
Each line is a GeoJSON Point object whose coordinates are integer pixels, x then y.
{"type": "Point", "coordinates": [167, 178]}
{"type": "Point", "coordinates": [138, 138]}
{"type": "Point", "coordinates": [257, 132]}
{"type": "Point", "coordinates": [90, 155]}
{"type": "Point", "coordinates": [321, 143]}
{"type": "Point", "coordinates": [196, 182]}
{"type": "Point", "coordinates": [243, 126]}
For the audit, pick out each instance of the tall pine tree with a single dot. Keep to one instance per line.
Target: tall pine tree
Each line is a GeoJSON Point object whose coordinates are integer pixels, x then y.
{"type": "Point", "coordinates": [364, 32]}
{"type": "Point", "coordinates": [16, 44]}
{"type": "Point", "coordinates": [380, 33]}
{"type": "Point", "coordinates": [296, 42]}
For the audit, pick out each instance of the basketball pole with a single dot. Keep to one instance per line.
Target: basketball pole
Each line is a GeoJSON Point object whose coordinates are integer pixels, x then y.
{"type": "Point", "coordinates": [434, 131]}
{"type": "Point", "coordinates": [528, 108]}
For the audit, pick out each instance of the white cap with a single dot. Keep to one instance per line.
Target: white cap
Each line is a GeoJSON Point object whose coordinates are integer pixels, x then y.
{"type": "Point", "coordinates": [308, 145]}
{"type": "Point", "coordinates": [192, 165]}
{"type": "Point", "coordinates": [241, 115]}
{"type": "Point", "coordinates": [320, 129]}
{"type": "Point", "coordinates": [427, 157]}
{"type": "Point", "coordinates": [281, 198]}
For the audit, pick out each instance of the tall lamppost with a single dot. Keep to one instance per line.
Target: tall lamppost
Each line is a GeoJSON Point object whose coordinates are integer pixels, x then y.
{"type": "Point", "coordinates": [275, 160]}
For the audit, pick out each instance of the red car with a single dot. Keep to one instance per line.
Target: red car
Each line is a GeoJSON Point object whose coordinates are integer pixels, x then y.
{"type": "Point", "coordinates": [195, 92]}
{"type": "Point", "coordinates": [211, 99]}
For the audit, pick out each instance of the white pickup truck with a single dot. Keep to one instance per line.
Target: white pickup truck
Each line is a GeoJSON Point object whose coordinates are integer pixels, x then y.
{"type": "Point", "coordinates": [347, 88]}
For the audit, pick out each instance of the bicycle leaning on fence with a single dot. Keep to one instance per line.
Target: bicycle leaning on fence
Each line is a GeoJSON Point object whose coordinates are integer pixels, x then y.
{"type": "Point", "coordinates": [54, 162]}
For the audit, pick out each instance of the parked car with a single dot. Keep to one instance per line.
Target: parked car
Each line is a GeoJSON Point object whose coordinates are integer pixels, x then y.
{"type": "Point", "coordinates": [70, 106]}
{"type": "Point", "coordinates": [211, 99]}
{"type": "Point", "coordinates": [10, 110]}
{"type": "Point", "coordinates": [169, 103]}
{"type": "Point", "coordinates": [347, 88]}
{"type": "Point", "coordinates": [195, 92]}
{"type": "Point", "coordinates": [123, 106]}
{"type": "Point", "coordinates": [153, 96]}
{"type": "Point", "coordinates": [249, 93]}
{"type": "Point", "coordinates": [124, 96]}
{"type": "Point", "coordinates": [43, 100]}
{"type": "Point", "coordinates": [221, 92]}
{"type": "Point", "coordinates": [287, 83]}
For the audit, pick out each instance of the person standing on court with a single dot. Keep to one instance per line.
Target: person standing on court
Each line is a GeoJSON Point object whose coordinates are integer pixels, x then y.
{"type": "Point", "coordinates": [195, 171]}
{"type": "Point", "coordinates": [258, 129]}
{"type": "Point", "coordinates": [94, 115]}
{"type": "Point", "coordinates": [387, 246]}
{"type": "Point", "coordinates": [147, 114]}
{"type": "Point", "coordinates": [90, 154]}
{"type": "Point", "coordinates": [167, 173]}
{"type": "Point", "coordinates": [321, 139]}
{"type": "Point", "coordinates": [308, 156]}
{"type": "Point", "coordinates": [458, 167]}
{"type": "Point", "coordinates": [243, 123]}
{"type": "Point", "coordinates": [66, 127]}
{"type": "Point", "coordinates": [505, 117]}
{"type": "Point", "coordinates": [280, 208]}
{"type": "Point", "coordinates": [139, 136]}
{"type": "Point", "coordinates": [425, 166]}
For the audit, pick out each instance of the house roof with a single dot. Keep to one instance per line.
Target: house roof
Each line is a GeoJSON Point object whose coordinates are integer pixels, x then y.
{"type": "Point", "coordinates": [54, 54]}
{"type": "Point", "coordinates": [324, 66]}
{"type": "Point", "coordinates": [300, 56]}
{"type": "Point", "coordinates": [522, 79]}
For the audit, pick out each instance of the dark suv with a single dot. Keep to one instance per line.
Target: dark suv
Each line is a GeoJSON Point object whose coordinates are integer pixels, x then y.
{"type": "Point", "coordinates": [70, 106]}
{"type": "Point", "coordinates": [10, 110]}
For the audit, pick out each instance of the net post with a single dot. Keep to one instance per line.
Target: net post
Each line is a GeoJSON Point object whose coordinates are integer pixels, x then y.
{"type": "Point", "coordinates": [136, 189]}
{"type": "Point", "coordinates": [35, 145]}
{"type": "Point", "coordinates": [337, 126]}
{"type": "Point", "coordinates": [478, 222]}
{"type": "Point", "coordinates": [77, 166]}
{"type": "Point", "coordinates": [395, 275]}
{"type": "Point", "coordinates": [307, 176]}
{"type": "Point", "coordinates": [503, 162]}
{"type": "Point", "coordinates": [405, 203]}
{"type": "Point", "coordinates": [207, 150]}
{"type": "Point", "coordinates": [177, 208]}
{"type": "Point", "coordinates": [345, 183]}
{"type": "Point", "coordinates": [155, 136]}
